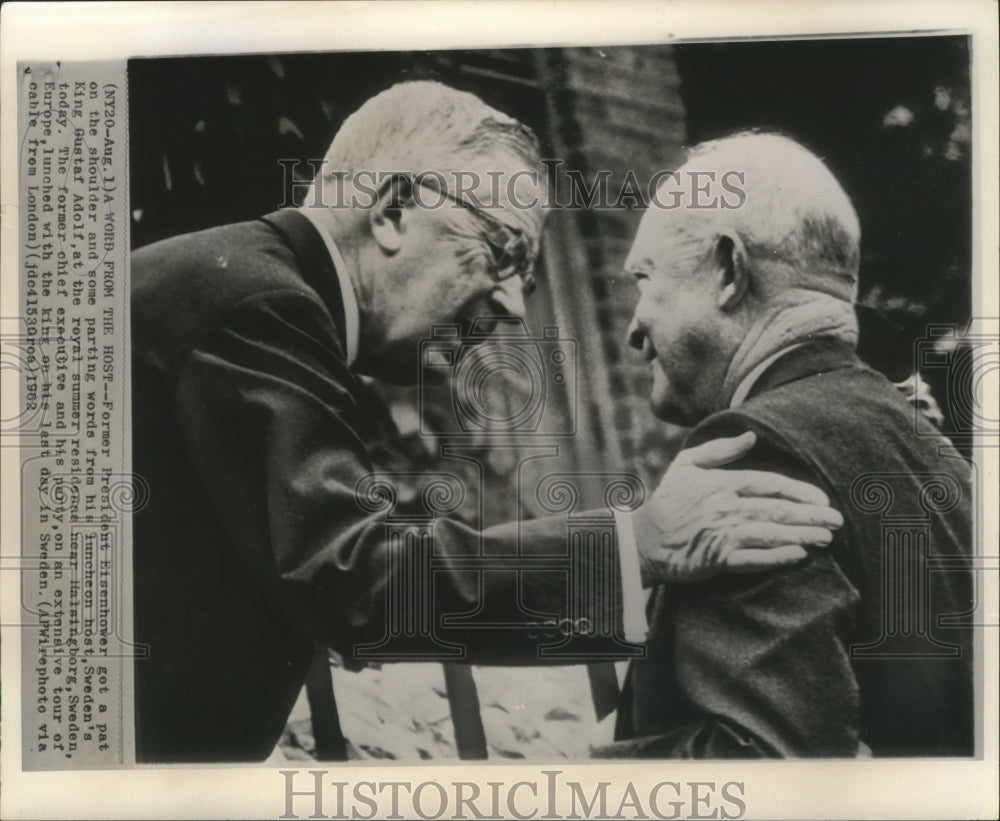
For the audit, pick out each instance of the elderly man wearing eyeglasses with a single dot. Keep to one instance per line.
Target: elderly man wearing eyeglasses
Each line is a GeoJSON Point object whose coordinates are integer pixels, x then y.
{"type": "Point", "coordinates": [249, 344]}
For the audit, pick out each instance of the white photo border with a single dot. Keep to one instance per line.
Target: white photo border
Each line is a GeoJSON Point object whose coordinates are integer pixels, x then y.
{"type": "Point", "coordinates": [797, 789]}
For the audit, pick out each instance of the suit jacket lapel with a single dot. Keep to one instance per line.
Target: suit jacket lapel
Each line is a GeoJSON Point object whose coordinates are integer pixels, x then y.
{"type": "Point", "coordinates": [317, 269]}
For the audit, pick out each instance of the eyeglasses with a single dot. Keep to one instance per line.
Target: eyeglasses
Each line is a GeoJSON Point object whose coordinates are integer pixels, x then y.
{"type": "Point", "coordinates": [514, 252]}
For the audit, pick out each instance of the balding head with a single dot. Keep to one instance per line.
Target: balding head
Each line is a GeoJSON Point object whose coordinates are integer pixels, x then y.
{"type": "Point", "coordinates": [795, 221]}
{"type": "Point", "coordinates": [725, 283]}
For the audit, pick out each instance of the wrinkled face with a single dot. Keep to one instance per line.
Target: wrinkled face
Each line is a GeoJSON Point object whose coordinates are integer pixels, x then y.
{"type": "Point", "coordinates": [673, 319]}
{"type": "Point", "coordinates": [456, 262]}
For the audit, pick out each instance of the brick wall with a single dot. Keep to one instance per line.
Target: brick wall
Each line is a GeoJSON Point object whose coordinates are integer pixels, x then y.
{"type": "Point", "coordinates": [618, 110]}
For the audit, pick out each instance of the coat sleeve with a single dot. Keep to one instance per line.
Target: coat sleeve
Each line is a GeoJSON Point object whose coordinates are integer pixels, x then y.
{"type": "Point", "coordinates": [755, 665]}
{"type": "Point", "coordinates": [268, 413]}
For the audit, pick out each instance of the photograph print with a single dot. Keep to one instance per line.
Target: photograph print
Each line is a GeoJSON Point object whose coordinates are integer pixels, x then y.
{"type": "Point", "coordinates": [555, 404]}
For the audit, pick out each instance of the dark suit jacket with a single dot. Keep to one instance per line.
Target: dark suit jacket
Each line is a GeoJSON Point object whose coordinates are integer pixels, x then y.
{"type": "Point", "coordinates": [855, 644]}
{"type": "Point", "coordinates": [247, 427]}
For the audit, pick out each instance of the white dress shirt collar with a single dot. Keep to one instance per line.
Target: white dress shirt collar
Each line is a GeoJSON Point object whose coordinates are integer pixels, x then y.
{"type": "Point", "coordinates": [352, 330]}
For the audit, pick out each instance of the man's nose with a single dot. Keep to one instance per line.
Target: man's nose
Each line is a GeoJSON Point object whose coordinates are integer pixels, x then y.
{"type": "Point", "coordinates": [636, 336]}
{"type": "Point", "coordinates": [508, 297]}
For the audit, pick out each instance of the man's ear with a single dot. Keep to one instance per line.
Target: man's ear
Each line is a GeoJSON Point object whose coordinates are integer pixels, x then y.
{"type": "Point", "coordinates": [387, 216]}
{"type": "Point", "coordinates": [732, 271]}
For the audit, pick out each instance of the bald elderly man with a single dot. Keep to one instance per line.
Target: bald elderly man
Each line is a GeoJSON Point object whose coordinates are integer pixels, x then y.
{"type": "Point", "coordinates": [747, 320]}
{"type": "Point", "coordinates": [248, 344]}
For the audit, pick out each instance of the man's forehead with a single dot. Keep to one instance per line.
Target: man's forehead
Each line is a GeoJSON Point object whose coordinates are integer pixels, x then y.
{"type": "Point", "coordinates": [656, 239]}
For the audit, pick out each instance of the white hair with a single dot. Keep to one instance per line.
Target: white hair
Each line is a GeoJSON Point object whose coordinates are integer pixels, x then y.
{"type": "Point", "coordinates": [427, 127]}
{"type": "Point", "coordinates": [794, 211]}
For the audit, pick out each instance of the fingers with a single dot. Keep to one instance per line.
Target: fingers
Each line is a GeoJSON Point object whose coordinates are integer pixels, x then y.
{"type": "Point", "coordinates": [720, 452]}
{"type": "Point", "coordinates": [762, 483]}
{"type": "Point", "coordinates": [755, 560]}
{"type": "Point", "coordinates": [763, 534]}
{"type": "Point", "coordinates": [784, 512]}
